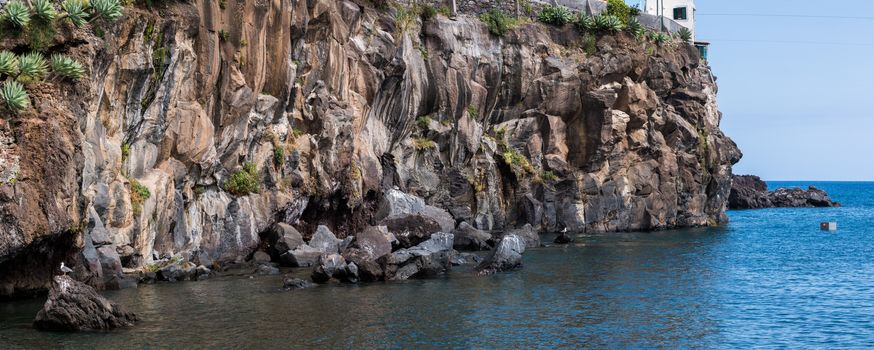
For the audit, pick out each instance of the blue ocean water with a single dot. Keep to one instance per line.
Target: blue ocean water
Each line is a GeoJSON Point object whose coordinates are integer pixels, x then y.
{"type": "Point", "coordinates": [770, 279]}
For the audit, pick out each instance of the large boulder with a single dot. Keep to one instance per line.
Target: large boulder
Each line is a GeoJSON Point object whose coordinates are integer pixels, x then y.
{"type": "Point", "coordinates": [506, 256]}
{"type": "Point", "coordinates": [325, 240]}
{"type": "Point", "coordinates": [330, 265]}
{"type": "Point", "coordinates": [429, 258]}
{"type": "Point", "coordinates": [411, 229]}
{"type": "Point", "coordinates": [396, 204]}
{"type": "Point", "coordinates": [528, 234]}
{"type": "Point", "coordinates": [469, 238]}
{"type": "Point", "coordinates": [281, 238]}
{"type": "Point", "coordinates": [303, 256]}
{"type": "Point", "coordinates": [375, 241]}
{"type": "Point", "coordinates": [75, 306]}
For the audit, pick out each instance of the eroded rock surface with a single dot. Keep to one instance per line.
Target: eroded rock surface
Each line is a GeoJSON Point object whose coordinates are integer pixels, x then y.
{"type": "Point", "coordinates": [345, 118]}
{"type": "Point", "coordinates": [75, 306]}
{"type": "Point", "coordinates": [750, 192]}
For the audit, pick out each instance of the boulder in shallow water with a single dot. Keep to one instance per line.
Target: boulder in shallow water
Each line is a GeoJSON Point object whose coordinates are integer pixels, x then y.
{"type": "Point", "coordinates": [330, 265]}
{"type": "Point", "coordinates": [303, 256]}
{"type": "Point", "coordinates": [507, 255]}
{"type": "Point", "coordinates": [528, 234]}
{"type": "Point", "coordinates": [468, 238]}
{"type": "Point", "coordinates": [75, 306]}
{"type": "Point", "coordinates": [296, 283]}
{"type": "Point", "coordinates": [564, 238]}
{"type": "Point", "coordinates": [325, 240]}
{"type": "Point", "coordinates": [411, 229]}
{"type": "Point", "coordinates": [429, 258]}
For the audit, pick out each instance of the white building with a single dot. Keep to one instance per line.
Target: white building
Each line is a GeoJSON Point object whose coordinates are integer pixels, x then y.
{"type": "Point", "coordinates": [681, 11]}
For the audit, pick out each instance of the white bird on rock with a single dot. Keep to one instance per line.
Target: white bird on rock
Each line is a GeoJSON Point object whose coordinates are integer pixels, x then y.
{"type": "Point", "coordinates": [65, 269]}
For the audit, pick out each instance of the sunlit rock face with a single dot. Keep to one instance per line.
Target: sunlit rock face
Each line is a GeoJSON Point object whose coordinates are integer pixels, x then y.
{"type": "Point", "coordinates": [334, 103]}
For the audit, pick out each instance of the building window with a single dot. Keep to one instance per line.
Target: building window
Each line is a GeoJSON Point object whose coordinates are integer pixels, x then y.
{"type": "Point", "coordinates": [680, 14]}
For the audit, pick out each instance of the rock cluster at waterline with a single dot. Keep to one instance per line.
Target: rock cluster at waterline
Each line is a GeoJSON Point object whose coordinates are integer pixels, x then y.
{"type": "Point", "coordinates": [750, 192]}
{"type": "Point", "coordinates": [75, 306]}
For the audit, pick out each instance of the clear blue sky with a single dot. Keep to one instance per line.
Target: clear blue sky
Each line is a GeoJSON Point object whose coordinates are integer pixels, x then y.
{"type": "Point", "coordinates": [798, 111]}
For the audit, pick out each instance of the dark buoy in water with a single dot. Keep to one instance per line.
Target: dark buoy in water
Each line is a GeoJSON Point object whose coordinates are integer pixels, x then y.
{"type": "Point", "coordinates": [828, 226]}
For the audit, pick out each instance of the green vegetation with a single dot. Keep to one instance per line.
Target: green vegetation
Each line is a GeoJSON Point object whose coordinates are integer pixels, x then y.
{"type": "Point", "coordinates": [589, 44]}
{"type": "Point", "coordinates": [518, 161]}
{"type": "Point", "coordinates": [423, 144]}
{"type": "Point", "coordinates": [14, 96]}
{"type": "Point", "coordinates": [138, 195]}
{"type": "Point", "coordinates": [8, 63]}
{"type": "Point", "coordinates": [32, 67]}
{"type": "Point", "coordinates": [44, 10]}
{"type": "Point", "coordinates": [244, 181]}
{"type": "Point", "coordinates": [296, 132]}
{"type": "Point", "coordinates": [109, 10]}
{"type": "Point", "coordinates": [158, 265]}
{"type": "Point", "coordinates": [445, 11]}
{"type": "Point", "coordinates": [685, 34]}
{"type": "Point", "coordinates": [66, 67]}
{"type": "Point", "coordinates": [620, 10]}
{"type": "Point", "coordinates": [498, 22]}
{"type": "Point", "coordinates": [405, 18]}
{"type": "Point", "coordinates": [125, 151]}
{"type": "Point", "coordinates": [424, 121]}
{"type": "Point", "coordinates": [635, 28]}
{"type": "Point", "coordinates": [609, 23]}
{"type": "Point", "coordinates": [427, 12]}
{"type": "Point", "coordinates": [75, 10]}
{"type": "Point", "coordinates": [555, 15]}
{"type": "Point", "coordinates": [16, 14]}
{"type": "Point", "coordinates": [547, 175]}
{"type": "Point", "coordinates": [473, 112]}
{"type": "Point", "coordinates": [223, 4]}
{"type": "Point", "coordinates": [585, 23]}
{"type": "Point", "coordinates": [224, 35]}
{"type": "Point", "coordinates": [278, 156]}
{"type": "Point", "coordinates": [659, 38]}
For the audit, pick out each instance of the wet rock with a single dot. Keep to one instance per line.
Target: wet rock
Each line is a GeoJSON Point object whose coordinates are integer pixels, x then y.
{"type": "Point", "coordinates": [260, 257]}
{"type": "Point", "coordinates": [329, 265]}
{"type": "Point", "coordinates": [429, 258]}
{"type": "Point", "coordinates": [506, 256]}
{"type": "Point", "coordinates": [369, 268]}
{"type": "Point", "coordinates": [374, 241]}
{"type": "Point", "coordinates": [266, 270]}
{"type": "Point", "coordinates": [202, 273]}
{"type": "Point", "coordinates": [411, 229]}
{"type": "Point", "coordinates": [282, 238]}
{"type": "Point", "coordinates": [468, 238]}
{"type": "Point", "coordinates": [458, 259]}
{"type": "Point", "coordinates": [75, 306]}
{"type": "Point", "coordinates": [303, 256]}
{"type": "Point", "coordinates": [564, 238]}
{"type": "Point", "coordinates": [528, 235]}
{"type": "Point", "coordinates": [296, 283]}
{"type": "Point", "coordinates": [176, 272]}
{"type": "Point", "coordinates": [324, 240]}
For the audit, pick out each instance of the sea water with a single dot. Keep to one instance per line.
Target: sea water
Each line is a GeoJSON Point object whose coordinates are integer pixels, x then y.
{"type": "Point", "coordinates": [770, 279]}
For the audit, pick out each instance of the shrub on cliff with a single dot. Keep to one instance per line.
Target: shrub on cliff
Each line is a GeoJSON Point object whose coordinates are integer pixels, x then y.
{"type": "Point", "coordinates": [608, 23]}
{"type": "Point", "coordinates": [138, 195]}
{"type": "Point", "coordinates": [244, 181]}
{"type": "Point", "coordinates": [498, 22]}
{"type": "Point", "coordinates": [14, 96]}
{"type": "Point", "coordinates": [621, 10]}
{"type": "Point", "coordinates": [555, 15]}
{"type": "Point", "coordinates": [685, 34]}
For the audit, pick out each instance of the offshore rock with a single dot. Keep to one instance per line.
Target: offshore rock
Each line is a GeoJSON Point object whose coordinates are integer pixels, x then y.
{"type": "Point", "coordinates": [290, 283]}
{"type": "Point", "coordinates": [750, 192]}
{"type": "Point", "coordinates": [75, 306]}
{"type": "Point", "coordinates": [506, 256]}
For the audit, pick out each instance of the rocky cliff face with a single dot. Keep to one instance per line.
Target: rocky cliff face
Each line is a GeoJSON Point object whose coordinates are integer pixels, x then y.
{"type": "Point", "coordinates": [332, 103]}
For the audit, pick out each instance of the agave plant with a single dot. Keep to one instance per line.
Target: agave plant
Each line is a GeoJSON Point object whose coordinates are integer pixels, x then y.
{"type": "Point", "coordinates": [67, 67]}
{"type": "Point", "coordinates": [635, 28]}
{"type": "Point", "coordinates": [8, 63]}
{"type": "Point", "coordinates": [14, 96]}
{"type": "Point", "coordinates": [685, 34]}
{"type": "Point", "coordinates": [75, 12]}
{"type": "Point", "coordinates": [17, 14]}
{"type": "Point", "coordinates": [555, 15]}
{"type": "Point", "coordinates": [109, 10]}
{"type": "Point", "coordinates": [32, 67]}
{"type": "Point", "coordinates": [44, 10]}
{"type": "Point", "coordinates": [609, 23]}
{"type": "Point", "coordinates": [585, 22]}
{"type": "Point", "coordinates": [660, 38]}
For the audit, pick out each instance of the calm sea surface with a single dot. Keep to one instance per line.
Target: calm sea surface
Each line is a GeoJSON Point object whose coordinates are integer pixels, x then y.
{"type": "Point", "coordinates": [770, 279]}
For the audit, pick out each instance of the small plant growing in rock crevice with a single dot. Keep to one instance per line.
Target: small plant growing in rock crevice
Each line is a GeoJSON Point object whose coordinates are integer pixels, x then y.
{"type": "Point", "coordinates": [424, 121]}
{"type": "Point", "coordinates": [66, 67]}
{"type": "Point", "coordinates": [473, 112]}
{"type": "Point", "coordinates": [138, 195]}
{"type": "Point", "coordinates": [244, 181]}
{"type": "Point", "coordinates": [424, 144]}
{"type": "Point", "coordinates": [32, 67]}
{"type": "Point", "coordinates": [498, 22]}
{"type": "Point", "coordinates": [513, 158]}
{"type": "Point", "coordinates": [684, 34]}
{"type": "Point", "coordinates": [555, 15]}
{"type": "Point", "coordinates": [14, 96]}
{"type": "Point", "coordinates": [278, 156]}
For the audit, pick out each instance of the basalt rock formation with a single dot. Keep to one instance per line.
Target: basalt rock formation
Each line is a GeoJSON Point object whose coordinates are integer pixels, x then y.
{"type": "Point", "coordinates": [750, 192]}
{"type": "Point", "coordinates": [75, 306]}
{"type": "Point", "coordinates": [307, 112]}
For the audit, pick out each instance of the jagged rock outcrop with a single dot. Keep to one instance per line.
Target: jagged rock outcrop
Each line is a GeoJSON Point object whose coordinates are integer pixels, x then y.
{"type": "Point", "coordinates": [75, 306]}
{"type": "Point", "coordinates": [750, 192]}
{"type": "Point", "coordinates": [343, 111]}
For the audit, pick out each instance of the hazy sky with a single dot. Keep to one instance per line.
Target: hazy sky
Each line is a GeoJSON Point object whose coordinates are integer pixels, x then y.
{"type": "Point", "coordinates": [797, 93]}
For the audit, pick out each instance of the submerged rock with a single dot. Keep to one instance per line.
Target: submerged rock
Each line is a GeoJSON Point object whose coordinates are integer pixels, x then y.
{"type": "Point", "coordinates": [296, 283]}
{"type": "Point", "coordinates": [564, 238]}
{"type": "Point", "coordinates": [506, 256]}
{"type": "Point", "coordinates": [75, 306]}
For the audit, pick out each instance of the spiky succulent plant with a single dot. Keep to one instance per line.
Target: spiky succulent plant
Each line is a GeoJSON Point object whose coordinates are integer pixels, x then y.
{"type": "Point", "coordinates": [585, 22]}
{"type": "Point", "coordinates": [44, 10]}
{"type": "Point", "coordinates": [685, 34]}
{"type": "Point", "coordinates": [14, 96]}
{"type": "Point", "coordinates": [109, 10]}
{"type": "Point", "coordinates": [609, 23]}
{"type": "Point", "coordinates": [8, 63]}
{"type": "Point", "coordinates": [32, 67]}
{"type": "Point", "coordinates": [75, 12]}
{"type": "Point", "coordinates": [17, 14]}
{"type": "Point", "coordinates": [660, 38]}
{"type": "Point", "coordinates": [635, 28]}
{"type": "Point", "coordinates": [67, 67]}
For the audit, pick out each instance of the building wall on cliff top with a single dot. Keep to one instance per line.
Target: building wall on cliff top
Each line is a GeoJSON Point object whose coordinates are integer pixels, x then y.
{"type": "Point", "coordinates": [334, 102]}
